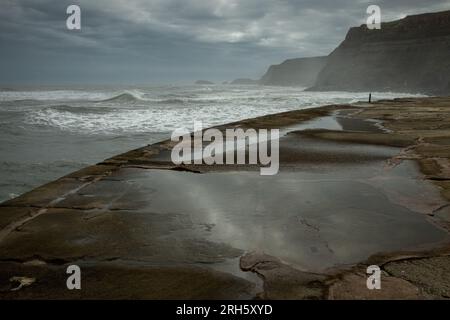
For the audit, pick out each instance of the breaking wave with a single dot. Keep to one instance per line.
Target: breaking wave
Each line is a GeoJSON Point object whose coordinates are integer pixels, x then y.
{"type": "Point", "coordinates": [126, 97]}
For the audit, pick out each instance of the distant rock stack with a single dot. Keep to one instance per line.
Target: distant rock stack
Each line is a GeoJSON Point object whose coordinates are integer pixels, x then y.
{"type": "Point", "coordinates": [407, 55]}
{"type": "Point", "coordinates": [203, 82]}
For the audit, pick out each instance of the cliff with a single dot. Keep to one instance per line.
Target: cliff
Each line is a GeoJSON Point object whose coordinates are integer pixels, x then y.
{"type": "Point", "coordinates": [244, 81]}
{"type": "Point", "coordinates": [407, 55]}
{"type": "Point", "coordinates": [294, 72]}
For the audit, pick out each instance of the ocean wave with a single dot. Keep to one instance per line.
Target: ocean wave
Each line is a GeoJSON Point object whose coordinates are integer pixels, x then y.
{"type": "Point", "coordinates": [79, 109]}
{"type": "Point", "coordinates": [172, 101]}
{"type": "Point", "coordinates": [123, 98]}
{"type": "Point", "coordinates": [40, 96]}
{"type": "Point", "coordinates": [133, 98]}
{"type": "Point", "coordinates": [157, 112]}
{"type": "Point", "coordinates": [19, 103]}
{"type": "Point", "coordinates": [178, 101]}
{"type": "Point", "coordinates": [25, 101]}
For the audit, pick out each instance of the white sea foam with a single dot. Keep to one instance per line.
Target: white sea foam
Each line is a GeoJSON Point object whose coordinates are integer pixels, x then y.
{"type": "Point", "coordinates": [155, 110]}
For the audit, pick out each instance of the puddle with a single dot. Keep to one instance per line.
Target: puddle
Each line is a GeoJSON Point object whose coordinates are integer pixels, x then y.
{"type": "Point", "coordinates": [338, 121]}
{"type": "Point", "coordinates": [333, 122]}
{"type": "Point", "coordinates": [311, 220]}
{"type": "Point", "coordinates": [364, 125]}
{"type": "Point", "coordinates": [328, 122]}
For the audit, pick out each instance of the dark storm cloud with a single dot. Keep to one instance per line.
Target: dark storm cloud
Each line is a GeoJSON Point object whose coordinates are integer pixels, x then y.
{"type": "Point", "coordinates": [137, 41]}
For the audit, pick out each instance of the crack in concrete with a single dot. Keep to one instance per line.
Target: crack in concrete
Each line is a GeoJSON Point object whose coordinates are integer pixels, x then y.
{"type": "Point", "coordinates": [21, 222]}
{"type": "Point", "coordinates": [309, 225]}
{"type": "Point", "coordinates": [316, 229]}
{"type": "Point", "coordinates": [440, 208]}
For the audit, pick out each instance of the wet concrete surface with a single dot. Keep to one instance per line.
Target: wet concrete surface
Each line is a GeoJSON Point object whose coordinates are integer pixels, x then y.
{"type": "Point", "coordinates": [311, 220]}
{"type": "Point", "coordinates": [347, 191]}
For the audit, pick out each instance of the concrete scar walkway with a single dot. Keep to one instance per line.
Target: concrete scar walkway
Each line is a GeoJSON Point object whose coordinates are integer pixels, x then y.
{"type": "Point", "coordinates": [358, 185]}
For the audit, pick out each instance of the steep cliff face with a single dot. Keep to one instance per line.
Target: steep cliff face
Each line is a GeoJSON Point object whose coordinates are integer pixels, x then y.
{"type": "Point", "coordinates": [294, 72]}
{"type": "Point", "coordinates": [408, 55]}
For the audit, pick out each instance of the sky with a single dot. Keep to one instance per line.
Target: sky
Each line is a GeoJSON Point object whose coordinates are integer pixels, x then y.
{"type": "Point", "coordinates": [175, 41]}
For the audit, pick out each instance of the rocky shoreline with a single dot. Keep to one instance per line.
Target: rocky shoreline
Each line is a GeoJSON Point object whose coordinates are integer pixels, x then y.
{"type": "Point", "coordinates": [136, 236]}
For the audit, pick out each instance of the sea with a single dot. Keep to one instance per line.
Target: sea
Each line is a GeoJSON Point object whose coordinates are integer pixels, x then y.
{"type": "Point", "coordinates": [48, 132]}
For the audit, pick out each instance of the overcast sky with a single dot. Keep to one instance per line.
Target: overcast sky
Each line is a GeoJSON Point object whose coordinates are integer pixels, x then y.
{"type": "Point", "coordinates": [173, 41]}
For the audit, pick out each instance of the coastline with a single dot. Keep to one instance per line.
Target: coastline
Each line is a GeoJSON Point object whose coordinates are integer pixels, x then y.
{"type": "Point", "coordinates": [415, 130]}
